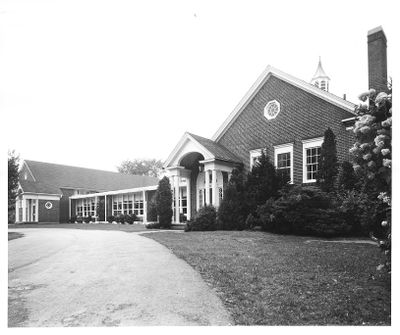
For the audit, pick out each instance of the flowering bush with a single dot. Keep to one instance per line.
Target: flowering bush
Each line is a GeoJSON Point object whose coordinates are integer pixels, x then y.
{"type": "Point", "coordinates": [372, 154]}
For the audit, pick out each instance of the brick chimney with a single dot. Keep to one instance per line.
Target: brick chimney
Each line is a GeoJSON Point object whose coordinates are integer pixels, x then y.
{"type": "Point", "coordinates": [377, 60]}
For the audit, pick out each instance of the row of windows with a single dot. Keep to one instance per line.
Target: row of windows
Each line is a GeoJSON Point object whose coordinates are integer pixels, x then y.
{"type": "Point", "coordinates": [284, 159]}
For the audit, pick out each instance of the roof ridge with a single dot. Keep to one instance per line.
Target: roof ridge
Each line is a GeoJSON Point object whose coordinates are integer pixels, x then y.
{"type": "Point", "coordinates": [80, 167]}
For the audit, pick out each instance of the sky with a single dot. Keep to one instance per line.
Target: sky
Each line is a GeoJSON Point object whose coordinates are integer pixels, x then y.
{"type": "Point", "coordinates": [92, 83]}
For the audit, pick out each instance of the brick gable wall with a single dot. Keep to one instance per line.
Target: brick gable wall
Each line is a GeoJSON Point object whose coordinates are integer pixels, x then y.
{"type": "Point", "coordinates": [302, 116]}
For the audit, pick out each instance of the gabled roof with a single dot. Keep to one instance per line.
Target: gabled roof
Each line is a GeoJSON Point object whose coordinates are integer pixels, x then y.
{"type": "Point", "coordinates": [217, 150]}
{"type": "Point", "coordinates": [38, 187]}
{"type": "Point", "coordinates": [271, 71]}
{"type": "Point", "coordinates": [208, 148]}
{"type": "Point", "coordinates": [64, 176]}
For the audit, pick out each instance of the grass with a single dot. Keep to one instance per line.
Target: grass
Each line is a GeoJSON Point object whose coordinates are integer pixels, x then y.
{"type": "Point", "coordinates": [267, 279]}
{"type": "Point", "coordinates": [85, 226]}
{"type": "Point", "coordinates": [13, 235]}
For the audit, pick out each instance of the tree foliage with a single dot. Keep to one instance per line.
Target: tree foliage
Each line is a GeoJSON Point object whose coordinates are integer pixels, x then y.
{"type": "Point", "coordinates": [164, 203]}
{"type": "Point", "coordinates": [372, 154]}
{"type": "Point", "coordinates": [141, 167]}
{"type": "Point", "coordinates": [328, 162]}
{"type": "Point", "coordinates": [231, 210]}
{"type": "Point", "coordinates": [263, 182]}
{"type": "Point", "coordinates": [13, 165]}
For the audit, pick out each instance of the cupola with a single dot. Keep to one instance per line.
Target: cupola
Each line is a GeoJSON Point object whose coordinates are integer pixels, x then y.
{"type": "Point", "coordinates": [320, 79]}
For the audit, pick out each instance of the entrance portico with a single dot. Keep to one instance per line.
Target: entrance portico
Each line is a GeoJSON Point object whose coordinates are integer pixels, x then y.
{"type": "Point", "coordinates": [199, 170]}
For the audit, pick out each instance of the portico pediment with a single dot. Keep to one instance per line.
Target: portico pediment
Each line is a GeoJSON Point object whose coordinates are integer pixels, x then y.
{"type": "Point", "coordinates": [191, 144]}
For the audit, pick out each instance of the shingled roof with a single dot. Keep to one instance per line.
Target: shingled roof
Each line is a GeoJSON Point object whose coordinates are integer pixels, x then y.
{"type": "Point", "coordinates": [38, 187]}
{"type": "Point", "coordinates": [218, 150]}
{"type": "Point", "coordinates": [63, 176]}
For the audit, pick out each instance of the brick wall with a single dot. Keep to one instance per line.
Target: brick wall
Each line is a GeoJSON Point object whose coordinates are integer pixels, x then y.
{"type": "Point", "coordinates": [49, 215]}
{"type": "Point", "coordinates": [377, 61]}
{"type": "Point", "coordinates": [302, 116]}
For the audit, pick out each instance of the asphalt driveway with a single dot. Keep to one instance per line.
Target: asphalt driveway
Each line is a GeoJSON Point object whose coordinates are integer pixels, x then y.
{"type": "Point", "coordinates": [62, 277]}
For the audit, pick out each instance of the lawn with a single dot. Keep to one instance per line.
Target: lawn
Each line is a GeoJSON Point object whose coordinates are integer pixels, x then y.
{"type": "Point", "coordinates": [267, 279]}
{"type": "Point", "coordinates": [86, 226]}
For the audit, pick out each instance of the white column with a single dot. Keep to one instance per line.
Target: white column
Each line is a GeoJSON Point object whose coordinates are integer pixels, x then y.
{"type": "Point", "coordinates": [197, 195]}
{"type": "Point", "coordinates": [176, 199]}
{"type": "Point", "coordinates": [23, 203]}
{"type": "Point", "coordinates": [144, 207]}
{"type": "Point", "coordinates": [207, 179]}
{"type": "Point", "coordinates": [188, 199]}
{"type": "Point", "coordinates": [214, 188]}
{"type": "Point", "coordinates": [105, 208]}
{"type": "Point", "coordinates": [95, 209]}
{"type": "Point", "coordinates": [37, 210]}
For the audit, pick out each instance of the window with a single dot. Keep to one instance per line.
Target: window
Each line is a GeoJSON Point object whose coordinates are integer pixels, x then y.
{"type": "Point", "coordinates": [138, 204]}
{"type": "Point", "coordinates": [283, 155]}
{"type": "Point", "coordinates": [311, 158]}
{"type": "Point", "coordinates": [254, 154]}
{"type": "Point", "coordinates": [272, 109]}
{"type": "Point", "coordinates": [323, 85]}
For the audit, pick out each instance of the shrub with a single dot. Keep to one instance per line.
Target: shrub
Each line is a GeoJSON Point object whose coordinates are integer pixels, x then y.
{"type": "Point", "coordinates": [303, 211]}
{"type": "Point", "coordinates": [73, 219]}
{"type": "Point", "coordinates": [347, 178]}
{"type": "Point", "coordinates": [153, 225]}
{"type": "Point", "coordinates": [231, 210]}
{"type": "Point", "coordinates": [121, 218]}
{"type": "Point", "coordinates": [79, 219]}
{"type": "Point", "coordinates": [328, 162]}
{"type": "Point", "coordinates": [252, 221]}
{"type": "Point", "coordinates": [263, 182]}
{"type": "Point", "coordinates": [358, 211]}
{"type": "Point", "coordinates": [87, 219]}
{"type": "Point", "coordinates": [204, 220]}
{"type": "Point", "coordinates": [152, 209]}
{"type": "Point", "coordinates": [164, 203]}
{"type": "Point", "coordinates": [110, 218]}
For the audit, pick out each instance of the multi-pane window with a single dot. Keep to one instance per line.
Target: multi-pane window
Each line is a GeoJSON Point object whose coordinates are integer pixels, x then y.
{"type": "Point", "coordinates": [312, 162]}
{"type": "Point", "coordinates": [284, 160]}
{"type": "Point", "coordinates": [311, 159]}
{"type": "Point", "coordinates": [283, 164]}
{"type": "Point", "coordinates": [138, 208]}
{"type": "Point", "coordinates": [123, 204]}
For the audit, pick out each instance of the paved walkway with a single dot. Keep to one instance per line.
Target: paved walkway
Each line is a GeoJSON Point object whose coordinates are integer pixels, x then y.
{"type": "Point", "coordinates": [63, 277]}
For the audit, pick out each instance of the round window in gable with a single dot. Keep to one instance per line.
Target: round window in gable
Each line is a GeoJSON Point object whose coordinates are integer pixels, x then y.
{"type": "Point", "coordinates": [272, 109]}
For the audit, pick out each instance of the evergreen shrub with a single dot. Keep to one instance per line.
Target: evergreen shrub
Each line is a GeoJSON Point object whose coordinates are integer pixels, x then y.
{"type": "Point", "coordinates": [204, 220]}
{"type": "Point", "coordinates": [110, 218]}
{"type": "Point", "coordinates": [303, 211]}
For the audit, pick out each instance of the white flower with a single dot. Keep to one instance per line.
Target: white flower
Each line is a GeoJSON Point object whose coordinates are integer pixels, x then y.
{"type": "Point", "coordinates": [387, 162]}
{"type": "Point", "coordinates": [385, 152]}
{"type": "Point", "coordinates": [367, 157]}
{"type": "Point", "coordinates": [384, 223]}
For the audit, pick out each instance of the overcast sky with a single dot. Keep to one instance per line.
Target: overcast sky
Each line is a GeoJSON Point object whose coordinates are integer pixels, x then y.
{"type": "Point", "coordinates": [91, 83]}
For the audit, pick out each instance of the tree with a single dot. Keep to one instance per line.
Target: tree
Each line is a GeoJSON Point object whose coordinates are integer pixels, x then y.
{"type": "Point", "coordinates": [164, 203]}
{"type": "Point", "coordinates": [328, 166]}
{"type": "Point", "coordinates": [372, 156]}
{"type": "Point", "coordinates": [100, 209]}
{"type": "Point", "coordinates": [152, 209]}
{"type": "Point", "coordinates": [13, 165]}
{"type": "Point", "coordinates": [141, 167]}
{"type": "Point", "coordinates": [262, 183]}
{"type": "Point", "coordinates": [231, 210]}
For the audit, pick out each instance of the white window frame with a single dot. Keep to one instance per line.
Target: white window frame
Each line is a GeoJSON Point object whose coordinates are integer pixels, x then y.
{"type": "Point", "coordinates": [254, 154]}
{"type": "Point", "coordinates": [311, 143]}
{"type": "Point", "coordinates": [283, 149]}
